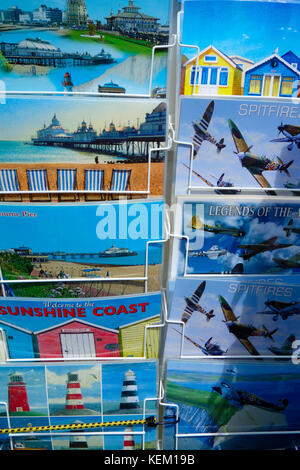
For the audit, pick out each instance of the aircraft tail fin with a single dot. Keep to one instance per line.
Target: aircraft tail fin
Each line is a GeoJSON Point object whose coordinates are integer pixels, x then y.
{"type": "Point", "coordinates": [270, 334]}
{"type": "Point", "coordinates": [284, 403]}
{"type": "Point", "coordinates": [196, 222]}
{"type": "Point", "coordinates": [220, 145]}
{"type": "Point", "coordinates": [284, 167]}
{"type": "Point", "coordinates": [288, 228]}
{"type": "Point", "coordinates": [210, 315]}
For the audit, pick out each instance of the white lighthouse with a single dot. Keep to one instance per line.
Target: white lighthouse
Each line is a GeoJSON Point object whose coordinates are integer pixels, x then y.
{"type": "Point", "coordinates": [129, 396]}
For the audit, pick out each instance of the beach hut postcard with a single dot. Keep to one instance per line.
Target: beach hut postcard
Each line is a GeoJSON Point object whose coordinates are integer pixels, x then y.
{"type": "Point", "coordinates": [234, 316]}
{"type": "Point", "coordinates": [107, 327]}
{"type": "Point", "coordinates": [233, 145]}
{"type": "Point", "coordinates": [85, 46]}
{"type": "Point", "coordinates": [233, 397]}
{"type": "Point", "coordinates": [77, 149]}
{"type": "Point", "coordinates": [62, 380]}
{"type": "Point", "coordinates": [129, 388]}
{"type": "Point", "coordinates": [230, 55]}
{"type": "Point", "coordinates": [236, 235]}
{"type": "Point", "coordinates": [82, 241]}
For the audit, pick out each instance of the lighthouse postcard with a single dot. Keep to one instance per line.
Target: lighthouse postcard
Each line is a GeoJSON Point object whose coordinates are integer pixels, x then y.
{"type": "Point", "coordinates": [236, 235]}
{"type": "Point", "coordinates": [230, 316]}
{"type": "Point", "coordinates": [82, 242]}
{"type": "Point", "coordinates": [231, 146]}
{"type": "Point", "coordinates": [231, 55]}
{"type": "Point", "coordinates": [85, 46]}
{"type": "Point", "coordinates": [56, 149]}
{"type": "Point", "coordinates": [224, 405]}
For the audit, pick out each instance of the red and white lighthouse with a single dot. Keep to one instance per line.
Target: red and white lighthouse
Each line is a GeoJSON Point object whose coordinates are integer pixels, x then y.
{"type": "Point", "coordinates": [67, 83]}
{"type": "Point", "coordinates": [129, 443]}
{"type": "Point", "coordinates": [17, 393]}
{"type": "Point", "coordinates": [74, 399]}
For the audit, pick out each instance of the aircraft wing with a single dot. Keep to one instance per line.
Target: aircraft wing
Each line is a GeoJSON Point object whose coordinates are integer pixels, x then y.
{"type": "Point", "coordinates": [193, 342]}
{"type": "Point", "coordinates": [249, 346]}
{"type": "Point", "coordinates": [199, 176]}
{"type": "Point", "coordinates": [260, 179]}
{"type": "Point", "coordinates": [257, 245]}
{"type": "Point", "coordinates": [198, 292]}
{"type": "Point", "coordinates": [204, 123]}
{"type": "Point", "coordinates": [281, 139]}
{"type": "Point", "coordinates": [292, 130]}
{"type": "Point", "coordinates": [227, 310]}
{"type": "Point", "coordinates": [187, 313]}
{"type": "Point", "coordinates": [238, 139]}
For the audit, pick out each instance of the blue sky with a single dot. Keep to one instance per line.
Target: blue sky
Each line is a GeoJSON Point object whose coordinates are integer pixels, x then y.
{"type": "Point", "coordinates": [249, 29]}
{"type": "Point", "coordinates": [27, 115]}
{"type": "Point", "coordinates": [99, 9]}
{"type": "Point", "coordinates": [65, 228]}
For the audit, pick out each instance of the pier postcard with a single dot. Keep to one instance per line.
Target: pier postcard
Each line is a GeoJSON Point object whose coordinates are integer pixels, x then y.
{"type": "Point", "coordinates": [230, 55]}
{"type": "Point", "coordinates": [85, 46]}
{"type": "Point", "coordinates": [232, 146]}
{"type": "Point", "coordinates": [227, 399]}
{"type": "Point", "coordinates": [84, 242]}
{"type": "Point", "coordinates": [237, 235]}
{"type": "Point", "coordinates": [106, 327]}
{"type": "Point", "coordinates": [234, 316]}
{"type": "Point", "coordinates": [77, 149]}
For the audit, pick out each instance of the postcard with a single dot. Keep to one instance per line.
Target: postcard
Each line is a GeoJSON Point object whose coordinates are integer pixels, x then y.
{"type": "Point", "coordinates": [237, 144]}
{"type": "Point", "coordinates": [76, 328]}
{"type": "Point", "coordinates": [82, 241]}
{"type": "Point", "coordinates": [80, 149]}
{"type": "Point", "coordinates": [236, 235]}
{"type": "Point", "coordinates": [43, 395]}
{"type": "Point", "coordinates": [234, 316]}
{"type": "Point", "coordinates": [85, 46]}
{"type": "Point", "coordinates": [229, 398]}
{"type": "Point", "coordinates": [230, 55]}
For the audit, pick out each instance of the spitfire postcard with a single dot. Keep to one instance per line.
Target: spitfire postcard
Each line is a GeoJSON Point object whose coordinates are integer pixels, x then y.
{"type": "Point", "coordinates": [54, 147]}
{"type": "Point", "coordinates": [86, 242]}
{"type": "Point", "coordinates": [232, 316]}
{"type": "Point", "coordinates": [237, 235]}
{"type": "Point", "coordinates": [230, 54]}
{"type": "Point", "coordinates": [39, 395]}
{"type": "Point", "coordinates": [227, 399]}
{"type": "Point", "coordinates": [84, 46]}
{"type": "Point", "coordinates": [238, 144]}
{"type": "Point", "coordinates": [107, 327]}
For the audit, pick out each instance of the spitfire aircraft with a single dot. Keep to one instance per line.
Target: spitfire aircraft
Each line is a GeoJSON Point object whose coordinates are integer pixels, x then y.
{"type": "Point", "coordinates": [254, 163]}
{"type": "Point", "coordinates": [192, 305]}
{"type": "Point", "coordinates": [256, 248]}
{"type": "Point", "coordinates": [291, 135]}
{"type": "Point", "coordinates": [212, 253]}
{"type": "Point", "coordinates": [221, 183]}
{"type": "Point", "coordinates": [209, 348]}
{"type": "Point", "coordinates": [290, 229]}
{"type": "Point", "coordinates": [242, 331]}
{"type": "Point", "coordinates": [201, 132]}
{"type": "Point", "coordinates": [281, 309]}
{"type": "Point", "coordinates": [293, 262]}
{"type": "Point", "coordinates": [286, 349]}
{"type": "Point", "coordinates": [242, 397]}
{"type": "Point", "coordinates": [197, 224]}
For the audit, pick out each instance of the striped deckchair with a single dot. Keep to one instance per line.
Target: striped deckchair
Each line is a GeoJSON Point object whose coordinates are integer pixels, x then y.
{"type": "Point", "coordinates": [94, 181]}
{"type": "Point", "coordinates": [37, 182]}
{"type": "Point", "coordinates": [9, 181]}
{"type": "Point", "coordinates": [66, 181]}
{"type": "Point", "coordinates": [120, 180]}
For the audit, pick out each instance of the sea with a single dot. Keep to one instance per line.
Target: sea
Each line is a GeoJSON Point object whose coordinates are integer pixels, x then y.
{"type": "Point", "coordinates": [26, 152]}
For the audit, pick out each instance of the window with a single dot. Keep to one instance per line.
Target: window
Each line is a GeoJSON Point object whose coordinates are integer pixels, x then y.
{"type": "Point", "coordinates": [287, 86]}
{"type": "Point", "coordinates": [204, 76]}
{"type": "Point", "coordinates": [255, 84]}
{"type": "Point", "coordinates": [223, 80]}
{"type": "Point", "coordinates": [210, 58]}
{"type": "Point", "coordinates": [193, 71]}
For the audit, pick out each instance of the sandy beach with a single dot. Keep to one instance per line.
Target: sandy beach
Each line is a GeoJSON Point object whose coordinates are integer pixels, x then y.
{"type": "Point", "coordinates": [76, 270]}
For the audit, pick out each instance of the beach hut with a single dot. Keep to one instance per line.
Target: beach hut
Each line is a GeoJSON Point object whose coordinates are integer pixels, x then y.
{"type": "Point", "coordinates": [19, 342]}
{"type": "Point", "coordinates": [214, 74]}
{"type": "Point", "coordinates": [77, 338]}
{"type": "Point", "coordinates": [272, 77]}
{"type": "Point", "coordinates": [132, 338]}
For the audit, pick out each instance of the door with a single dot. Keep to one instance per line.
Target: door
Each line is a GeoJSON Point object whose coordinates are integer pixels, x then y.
{"type": "Point", "coordinates": [78, 345]}
{"type": "Point", "coordinates": [271, 85]}
{"type": "Point", "coordinates": [208, 81]}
